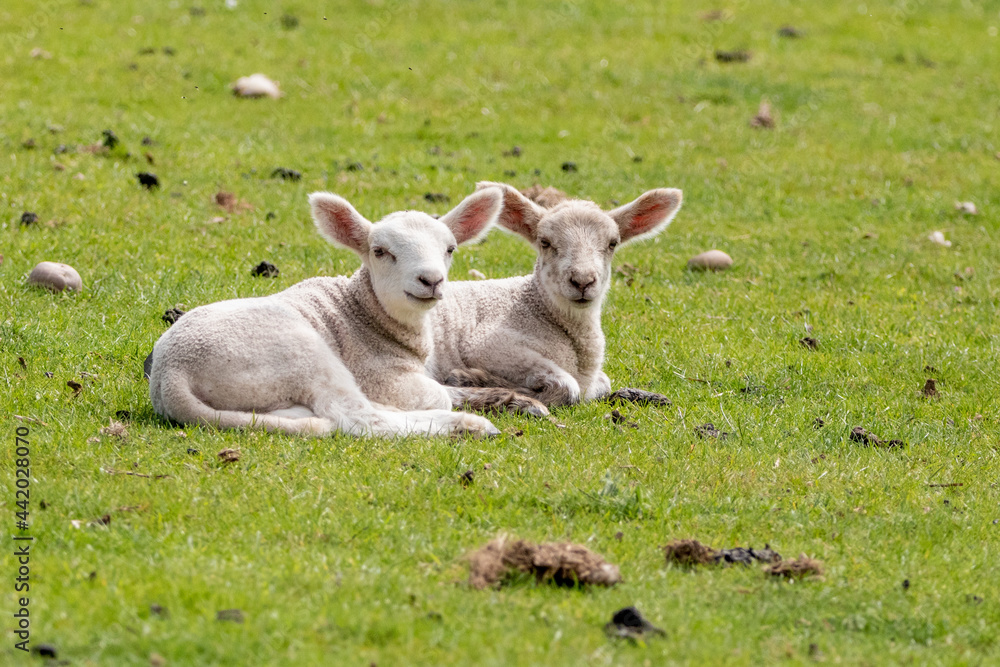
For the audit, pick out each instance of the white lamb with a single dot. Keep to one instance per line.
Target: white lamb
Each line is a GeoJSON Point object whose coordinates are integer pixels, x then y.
{"type": "Point", "coordinates": [541, 334]}
{"type": "Point", "coordinates": [328, 354]}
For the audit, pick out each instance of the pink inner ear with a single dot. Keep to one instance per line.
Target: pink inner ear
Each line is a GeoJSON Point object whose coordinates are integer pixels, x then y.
{"type": "Point", "coordinates": [648, 214]}
{"type": "Point", "coordinates": [342, 226]}
{"type": "Point", "coordinates": [515, 213]}
{"type": "Point", "coordinates": [475, 216]}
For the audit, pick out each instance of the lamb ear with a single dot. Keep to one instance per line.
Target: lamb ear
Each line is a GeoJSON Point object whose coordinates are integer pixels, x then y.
{"type": "Point", "coordinates": [519, 214]}
{"type": "Point", "coordinates": [470, 219]}
{"type": "Point", "coordinates": [647, 215]}
{"type": "Point", "coordinates": [337, 220]}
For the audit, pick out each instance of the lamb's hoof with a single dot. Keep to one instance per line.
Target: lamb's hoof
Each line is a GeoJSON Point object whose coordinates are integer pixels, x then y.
{"type": "Point", "coordinates": [476, 426]}
{"type": "Point", "coordinates": [525, 405]}
{"type": "Point", "coordinates": [492, 431]}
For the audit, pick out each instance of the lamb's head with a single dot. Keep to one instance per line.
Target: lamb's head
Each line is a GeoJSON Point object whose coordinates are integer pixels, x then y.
{"type": "Point", "coordinates": [576, 240]}
{"type": "Point", "coordinates": [408, 253]}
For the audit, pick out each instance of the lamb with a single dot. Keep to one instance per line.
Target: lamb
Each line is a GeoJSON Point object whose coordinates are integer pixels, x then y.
{"type": "Point", "coordinates": [331, 353]}
{"type": "Point", "coordinates": [541, 334]}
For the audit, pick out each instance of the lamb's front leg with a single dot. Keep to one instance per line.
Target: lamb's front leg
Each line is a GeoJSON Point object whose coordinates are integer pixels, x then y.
{"type": "Point", "coordinates": [600, 386]}
{"type": "Point", "coordinates": [533, 374]}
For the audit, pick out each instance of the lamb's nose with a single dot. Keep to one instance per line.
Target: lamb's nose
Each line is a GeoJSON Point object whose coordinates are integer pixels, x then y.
{"type": "Point", "coordinates": [582, 283]}
{"type": "Point", "coordinates": [431, 280]}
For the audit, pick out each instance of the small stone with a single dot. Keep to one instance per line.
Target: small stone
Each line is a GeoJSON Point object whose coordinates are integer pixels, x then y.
{"type": "Point", "coordinates": [763, 119]}
{"type": "Point", "coordinates": [55, 277]}
{"type": "Point", "coordinates": [966, 207]}
{"type": "Point", "coordinates": [938, 237]}
{"type": "Point", "coordinates": [256, 85]}
{"type": "Point", "coordinates": [712, 260]}
{"type": "Point", "coordinates": [40, 54]}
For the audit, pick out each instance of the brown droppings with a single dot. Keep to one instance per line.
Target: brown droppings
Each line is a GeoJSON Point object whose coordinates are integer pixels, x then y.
{"type": "Point", "coordinates": [790, 31]}
{"type": "Point", "coordinates": [286, 174]}
{"type": "Point", "coordinates": [737, 56]}
{"type": "Point", "coordinates": [105, 519]}
{"type": "Point", "coordinates": [628, 623]}
{"type": "Point", "coordinates": [437, 197]}
{"type": "Point", "coordinates": [930, 388]}
{"type": "Point", "coordinates": [742, 556]}
{"type": "Point", "coordinates": [513, 152]}
{"type": "Point", "coordinates": [709, 431]}
{"type": "Point", "coordinates": [569, 167]}
{"type": "Point", "coordinates": [22, 363]}
{"type": "Point", "coordinates": [115, 429]}
{"type": "Point", "coordinates": [234, 615]}
{"type": "Point", "coordinates": [29, 218]}
{"type": "Point", "coordinates": [545, 197]}
{"type": "Point", "coordinates": [159, 610]}
{"type": "Point", "coordinates": [859, 434]}
{"type": "Point", "coordinates": [171, 315]}
{"type": "Point", "coordinates": [818, 422]}
{"type": "Point", "coordinates": [561, 563]}
{"type": "Point", "coordinates": [148, 180]}
{"type": "Point", "coordinates": [639, 396]}
{"type": "Point", "coordinates": [75, 386]}
{"type": "Point", "coordinates": [810, 343]}
{"type": "Point", "coordinates": [764, 119]}
{"type": "Point", "coordinates": [689, 553]}
{"type": "Point", "coordinates": [803, 566]}
{"type": "Point", "coordinates": [265, 270]}
{"type": "Point", "coordinates": [230, 203]}
{"type": "Point", "coordinates": [229, 455]}
{"type": "Point", "coordinates": [467, 477]}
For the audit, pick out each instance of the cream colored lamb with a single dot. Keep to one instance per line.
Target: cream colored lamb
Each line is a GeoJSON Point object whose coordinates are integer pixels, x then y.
{"type": "Point", "coordinates": [328, 354]}
{"type": "Point", "coordinates": [541, 334]}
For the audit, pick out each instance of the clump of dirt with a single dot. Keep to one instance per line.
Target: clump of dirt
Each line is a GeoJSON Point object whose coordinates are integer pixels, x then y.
{"type": "Point", "coordinates": [803, 566]}
{"type": "Point", "coordinates": [171, 315]}
{"type": "Point", "coordinates": [286, 174]}
{"type": "Point", "coordinates": [265, 270]}
{"type": "Point", "coordinates": [689, 553]}
{"type": "Point", "coordinates": [930, 388]}
{"type": "Point", "coordinates": [148, 180]}
{"type": "Point", "coordinates": [810, 343]}
{"type": "Point", "coordinates": [709, 431]}
{"type": "Point", "coordinates": [560, 563]}
{"type": "Point", "coordinates": [545, 197]}
{"type": "Point", "coordinates": [859, 434]}
{"type": "Point", "coordinates": [437, 197]}
{"type": "Point", "coordinates": [737, 56]}
{"type": "Point", "coordinates": [628, 623]}
{"type": "Point", "coordinates": [639, 396]}
{"type": "Point", "coordinates": [229, 455]}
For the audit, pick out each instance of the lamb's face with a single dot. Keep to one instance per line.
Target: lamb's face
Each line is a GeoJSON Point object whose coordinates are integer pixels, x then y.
{"type": "Point", "coordinates": [576, 242]}
{"type": "Point", "coordinates": [409, 256]}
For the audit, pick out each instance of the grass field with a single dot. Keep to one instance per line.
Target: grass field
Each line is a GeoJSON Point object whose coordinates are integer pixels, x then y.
{"type": "Point", "coordinates": [349, 551]}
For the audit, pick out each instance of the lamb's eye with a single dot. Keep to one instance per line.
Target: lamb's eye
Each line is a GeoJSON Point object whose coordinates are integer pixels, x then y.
{"type": "Point", "coordinates": [612, 245]}
{"type": "Point", "coordinates": [451, 249]}
{"type": "Point", "coordinates": [379, 252]}
{"type": "Point", "coordinates": [545, 243]}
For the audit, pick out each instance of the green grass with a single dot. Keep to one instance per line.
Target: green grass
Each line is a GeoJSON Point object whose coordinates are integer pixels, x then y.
{"type": "Point", "coordinates": [349, 551]}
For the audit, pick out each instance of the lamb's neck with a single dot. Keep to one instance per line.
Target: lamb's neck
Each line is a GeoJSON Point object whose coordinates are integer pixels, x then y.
{"type": "Point", "coordinates": [577, 322]}
{"type": "Point", "coordinates": [369, 313]}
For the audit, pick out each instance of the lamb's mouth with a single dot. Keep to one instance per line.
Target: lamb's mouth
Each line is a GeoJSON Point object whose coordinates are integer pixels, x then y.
{"type": "Point", "coordinates": [422, 299]}
{"type": "Point", "coordinates": [583, 301]}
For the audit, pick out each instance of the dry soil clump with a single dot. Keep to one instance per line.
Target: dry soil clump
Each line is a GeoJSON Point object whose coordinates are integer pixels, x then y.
{"type": "Point", "coordinates": [561, 563]}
